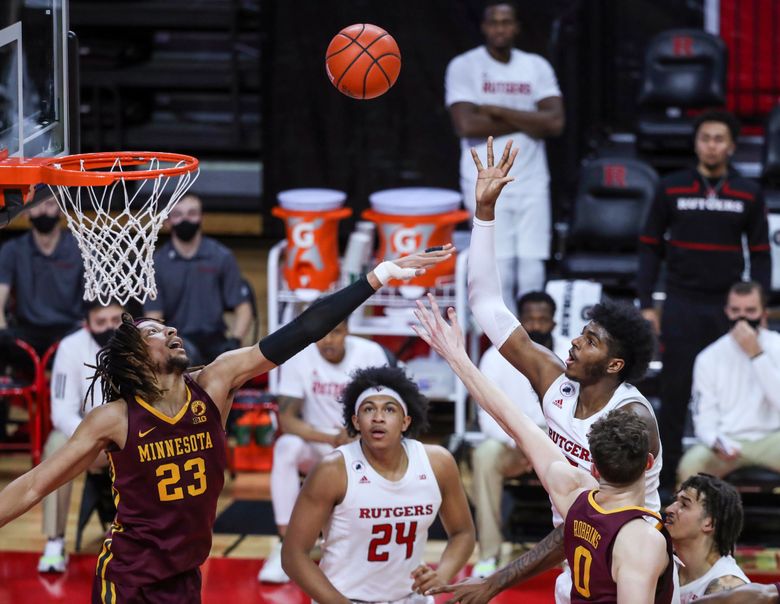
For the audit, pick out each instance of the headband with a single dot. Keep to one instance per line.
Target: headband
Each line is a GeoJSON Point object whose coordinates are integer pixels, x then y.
{"type": "Point", "coordinates": [383, 391]}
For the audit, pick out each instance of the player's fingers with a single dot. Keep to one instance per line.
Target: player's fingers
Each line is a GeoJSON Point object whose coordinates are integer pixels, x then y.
{"type": "Point", "coordinates": [435, 309]}
{"type": "Point", "coordinates": [422, 334]}
{"type": "Point", "coordinates": [477, 161]}
{"type": "Point", "coordinates": [423, 316]}
{"type": "Point", "coordinates": [510, 162]}
{"type": "Point", "coordinates": [505, 154]}
{"type": "Point", "coordinates": [490, 152]}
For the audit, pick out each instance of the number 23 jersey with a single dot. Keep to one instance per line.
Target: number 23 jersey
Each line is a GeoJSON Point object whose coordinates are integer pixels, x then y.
{"type": "Point", "coordinates": [375, 537]}
{"type": "Point", "coordinates": [166, 482]}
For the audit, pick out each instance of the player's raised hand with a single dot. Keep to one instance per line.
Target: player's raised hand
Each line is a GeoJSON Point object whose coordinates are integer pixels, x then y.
{"type": "Point", "coordinates": [492, 179]}
{"type": "Point", "coordinates": [469, 591]}
{"type": "Point", "coordinates": [409, 266]}
{"type": "Point", "coordinates": [425, 578]}
{"type": "Point", "coordinates": [445, 338]}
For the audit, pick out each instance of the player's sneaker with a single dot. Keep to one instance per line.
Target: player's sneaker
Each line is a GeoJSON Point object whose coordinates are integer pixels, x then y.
{"type": "Point", "coordinates": [54, 558]}
{"type": "Point", "coordinates": [272, 571]}
{"type": "Point", "coordinates": [484, 568]}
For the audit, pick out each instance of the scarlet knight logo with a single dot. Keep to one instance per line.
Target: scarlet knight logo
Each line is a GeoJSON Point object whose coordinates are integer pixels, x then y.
{"type": "Point", "coordinates": [614, 175]}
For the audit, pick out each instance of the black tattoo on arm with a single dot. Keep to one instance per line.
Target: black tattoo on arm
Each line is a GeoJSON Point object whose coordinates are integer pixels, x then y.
{"type": "Point", "coordinates": [723, 584]}
{"type": "Point", "coordinates": [543, 556]}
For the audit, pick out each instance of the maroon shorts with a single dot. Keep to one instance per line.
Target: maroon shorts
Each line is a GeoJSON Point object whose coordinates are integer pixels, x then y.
{"type": "Point", "coordinates": [183, 588]}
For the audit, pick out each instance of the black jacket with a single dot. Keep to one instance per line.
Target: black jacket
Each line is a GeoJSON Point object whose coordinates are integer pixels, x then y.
{"type": "Point", "coordinates": [698, 230]}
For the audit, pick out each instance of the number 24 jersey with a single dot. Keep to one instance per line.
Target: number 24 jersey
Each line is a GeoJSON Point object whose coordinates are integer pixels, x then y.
{"type": "Point", "coordinates": [375, 537]}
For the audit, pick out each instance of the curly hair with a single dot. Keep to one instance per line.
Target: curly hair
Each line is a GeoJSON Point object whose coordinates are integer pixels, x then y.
{"type": "Point", "coordinates": [631, 337]}
{"type": "Point", "coordinates": [124, 367]}
{"type": "Point", "coordinates": [619, 444]}
{"type": "Point", "coordinates": [390, 377]}
{"type": "Point", "coordinates": [722, 503]}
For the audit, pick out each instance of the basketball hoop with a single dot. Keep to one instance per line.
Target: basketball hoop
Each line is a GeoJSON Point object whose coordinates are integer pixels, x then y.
{"type": "Point", "coordinates": [115, 204]}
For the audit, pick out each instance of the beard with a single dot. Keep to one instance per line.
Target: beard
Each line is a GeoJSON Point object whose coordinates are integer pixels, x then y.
{"type": "Point", "coordinates": [178, 364]}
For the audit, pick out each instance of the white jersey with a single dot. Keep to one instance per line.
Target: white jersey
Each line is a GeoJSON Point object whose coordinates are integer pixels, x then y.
{"type": "Point", "coordinates": [476, 77]}
{"type": "Point", "coordinates": [723, 567]}
{"type": "Point", "coordinates": [319, 383]}
{"type": "Point", "coordinates": [571, 434]}
{"type": "Point", "coordinates": [70, 380]}
{"type": "Point", "coordinates": [375, 537]}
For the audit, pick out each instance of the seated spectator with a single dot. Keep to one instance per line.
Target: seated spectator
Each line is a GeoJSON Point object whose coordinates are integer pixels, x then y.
{"type": "Point", "coordinates": [197, 281]}
{"type": "Point", "coordinates": [70, 380]}
{"type": "Point", "coordinates": [497, 457]}
{"type": "Point", "coordinates": [705, 521]}
{"type": "Point", "coordinates": [44, 270]}
{"type": "Point", "coordinates": [736, 392]}
{"type": "Point", "coordinates": [311, 418]}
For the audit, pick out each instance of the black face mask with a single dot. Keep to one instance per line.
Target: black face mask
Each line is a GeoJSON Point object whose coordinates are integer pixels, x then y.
{"type": "Point", "coordinates": [103, 337]}
{"type": "Point", "coordinates": [542, 338]}
{"type": "Point", "coordinates": [754, 323]}
{"type": "Point", "coordinates": [44, 224]}
{"type": "Point", "coordinates": [186, 230]}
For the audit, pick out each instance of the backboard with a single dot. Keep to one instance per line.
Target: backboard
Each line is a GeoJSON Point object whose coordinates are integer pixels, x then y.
{"type": "Point", "coordinates": [34, 100]}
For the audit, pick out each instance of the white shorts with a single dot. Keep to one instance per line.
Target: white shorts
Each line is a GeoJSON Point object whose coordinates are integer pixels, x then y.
{"type": "Point", "coordinates": [563, 586]}
{"type": "Point", "coordinates": [523, 222]}
{"type": "Point", "coordinates": [413, 599]}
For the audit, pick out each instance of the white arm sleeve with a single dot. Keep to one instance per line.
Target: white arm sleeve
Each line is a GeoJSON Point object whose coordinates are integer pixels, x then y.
{"type": "Point", "coordinates": [485, 300]}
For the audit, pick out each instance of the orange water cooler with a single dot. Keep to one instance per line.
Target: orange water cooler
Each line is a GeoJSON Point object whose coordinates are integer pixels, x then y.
{"type": "Point", "coordinates": [311, 218]}
{"type": "Point", "coordinates": [411, 219]}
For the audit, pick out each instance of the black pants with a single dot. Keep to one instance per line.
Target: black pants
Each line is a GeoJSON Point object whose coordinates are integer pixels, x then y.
{"type": "Point", "coordinates": [688, 326]}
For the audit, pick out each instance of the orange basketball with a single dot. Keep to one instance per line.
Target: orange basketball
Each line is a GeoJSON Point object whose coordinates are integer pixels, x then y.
{"type": "Point", "coordinates": [363, 61]}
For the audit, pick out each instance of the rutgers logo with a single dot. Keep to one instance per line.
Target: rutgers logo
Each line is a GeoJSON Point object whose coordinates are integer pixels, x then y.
{"type": "Point", "coordinates": [614, 175]}
{"type": "Point", "coordinates": [682, 46]}
{"type": "Point", "coordinates": [303, 235]}
{"type": "Point", "coordinates": [406, 241]}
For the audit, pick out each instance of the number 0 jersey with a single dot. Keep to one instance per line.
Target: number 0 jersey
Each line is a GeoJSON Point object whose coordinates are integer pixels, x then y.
{"type": "Point", "coordinates": [375, 537]}
{"type": "Point", "coordinates": [589, 536]}
{"type": "Point", "coordinates": [166, 481]}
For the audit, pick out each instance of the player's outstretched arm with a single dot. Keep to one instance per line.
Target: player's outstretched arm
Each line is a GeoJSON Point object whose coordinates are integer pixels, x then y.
{"type": "Point", "coordinates": [98, 429]}
{"type": "Point", "coordinates": [752, 593]}
{"type": "Point", "coordinates": [456, 519]}
{"type": "Point", "coordinates": [639, 558]}
{"type": "Point", "coordinates": [324, 487]}
{"type": "Point", "coordinates": [546, 554]}
{"type": "Point", "coordinates": [538, 364]}
{"type": "Point", "coordinates": [558, 477]}
{"type": "Point", "coordinates": [232, 369]}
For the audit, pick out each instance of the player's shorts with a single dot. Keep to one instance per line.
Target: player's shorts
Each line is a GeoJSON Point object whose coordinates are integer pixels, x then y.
{"type": "Point", "coordinates": [523, 222]}
{"type": "Point", "coordinates": [183, 588]}
{"type": "Point", "coordinates": [563, 586]}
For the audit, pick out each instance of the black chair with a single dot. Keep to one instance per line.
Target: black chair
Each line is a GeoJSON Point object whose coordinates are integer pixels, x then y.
{"type": "Point", "coordinates": [613, 198]}
{"type": "Point", "coordinates": [760, 492]}
{"type": "Point", "coordinates": [770, 173]}
{"type": "Point", "coordinates": [684, 69]}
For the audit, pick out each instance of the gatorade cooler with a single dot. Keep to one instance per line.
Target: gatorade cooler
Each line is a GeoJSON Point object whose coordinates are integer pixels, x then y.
{"type": "Point", "coordinates": [412, 219]}
{"type": "Point", "coordinates": [311, 217]}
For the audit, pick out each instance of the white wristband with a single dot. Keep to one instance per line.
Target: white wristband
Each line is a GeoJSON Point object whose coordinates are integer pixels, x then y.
{"type": "Point", "coordinates": [390, 270]}
{"type": "Point", "coordinates": [483, 223]}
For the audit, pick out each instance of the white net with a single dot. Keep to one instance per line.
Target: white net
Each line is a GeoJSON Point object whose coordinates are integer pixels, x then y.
{"type": "Point", "coordinates": [116, 228]}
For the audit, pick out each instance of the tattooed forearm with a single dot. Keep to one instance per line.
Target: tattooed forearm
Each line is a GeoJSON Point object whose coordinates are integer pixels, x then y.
{"type": "Point", "coordinates": [544, 555]}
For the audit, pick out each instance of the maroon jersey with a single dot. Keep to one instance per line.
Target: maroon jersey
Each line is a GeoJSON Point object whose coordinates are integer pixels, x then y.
{"type": "Point", "coordinates": [589, 536]}
{"type": "Point", "coordinates": [166, 482]}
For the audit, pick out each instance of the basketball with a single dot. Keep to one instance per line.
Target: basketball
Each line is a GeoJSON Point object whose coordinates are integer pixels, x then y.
{"type": "Point", "coordinates": [363, 61]}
